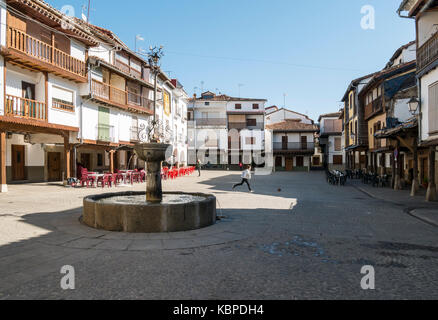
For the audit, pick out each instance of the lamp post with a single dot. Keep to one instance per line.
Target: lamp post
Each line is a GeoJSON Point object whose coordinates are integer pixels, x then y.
{"type": "Point", "coordinates": [154, 56]}
{"type": "Point", "coordinates": [413, 106]}
{"type": "Point", "coordinates": [413, 109]}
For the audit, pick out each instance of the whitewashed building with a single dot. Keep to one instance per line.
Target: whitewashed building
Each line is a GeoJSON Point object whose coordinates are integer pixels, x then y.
{"type": "Point", "coordinates": [74, 92]}
{"type": "Point", "coordinates": [292, 137]}
{"type": "Point", "coordinates": [226, 131]}
{"type": "Point", "coordinates": [331, 142]}
{"type": "Point", "coordinates": [426, 15]}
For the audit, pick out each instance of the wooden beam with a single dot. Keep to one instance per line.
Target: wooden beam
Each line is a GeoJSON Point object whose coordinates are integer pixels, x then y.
{"type": "Point", "coordinates": [405, 143]}
{"type": "Point", "coordinates": [111, 156]}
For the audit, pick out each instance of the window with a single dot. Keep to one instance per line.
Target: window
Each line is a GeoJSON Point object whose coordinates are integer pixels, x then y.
{"type": "Point", "coordinates": [433, 109]}
{"type": "Point", "coordinates": [238, 106]}
{"type": "Point", "coordinates": [62, 99]}
{"type": "Point", "coordinates": [337, 160]}
{"type": "Point", "coordinates": [338, 144]}
{"type": "Point", "coordinates": [251, 122]}
{"type": "Point", "coordinates": [207, 103]}
{"type": "Point", "coordinates": [255, 106]}
{"type": "Point", "coordinates": [99, 160]}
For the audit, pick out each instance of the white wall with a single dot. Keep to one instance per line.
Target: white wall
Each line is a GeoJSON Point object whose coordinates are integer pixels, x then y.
{"type": "Point", "coordinates": [102, 52]}
{"type": "Point", "coordinates": [427, 26]}
{"type": "Point", "coordinates": [283, 114]}
{"type": "Point", "coordinates": [34, 154]}
{"type": "Point", "coordinates": [401, 110]}
{"type": "Point", "coordinates": [426, 81]}
{"type": "Point", "coordinates": [63, 117]}
{"type": "Point", "coordinates": [2, 86]}
{"type": "Point", "coordinates": [247, 106]}
{"type": "Point", "coordinates": [77, 50]}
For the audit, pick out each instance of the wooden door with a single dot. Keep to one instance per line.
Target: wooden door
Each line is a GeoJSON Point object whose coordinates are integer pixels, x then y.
{"type": "Point", "coordinates": [284, 142]}
{"type": "Point", "coordinates": [18, 173]}
{"type": "Point", "coordinates": [54, 166]}
{"type": "Point", "coordinates": [289, 164]}
{"type": "Point", "coordinates": [300, 161]}
{"type": "Point", "coordinates": [303, 144]}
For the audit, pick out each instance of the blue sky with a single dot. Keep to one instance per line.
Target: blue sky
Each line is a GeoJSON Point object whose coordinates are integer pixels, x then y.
{"type": "Point", "coordinates": [310, 50]}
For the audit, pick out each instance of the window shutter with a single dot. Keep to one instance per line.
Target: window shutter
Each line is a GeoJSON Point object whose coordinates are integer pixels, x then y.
{"type": "Point", "coordinates": [433, 108]}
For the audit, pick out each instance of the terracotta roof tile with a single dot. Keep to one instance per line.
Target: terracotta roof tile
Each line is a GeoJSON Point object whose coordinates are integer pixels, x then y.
{"type": "Point", "coordinates": [292, 125]}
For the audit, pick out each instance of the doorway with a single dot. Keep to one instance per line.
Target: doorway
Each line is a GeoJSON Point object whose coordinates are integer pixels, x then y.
{"type": "Point", "coordinates": [18, 156]}
{"type": "Point", "coordinates": [86, 161]}
{"type": "Point", "coordinates": [54, 166]}
{"type": "Point", "coordinates": [278, 162]}
{"type": "Point", "coordinates": [300, 161]}
{"type": "Point", "coordinates": [289, 164]}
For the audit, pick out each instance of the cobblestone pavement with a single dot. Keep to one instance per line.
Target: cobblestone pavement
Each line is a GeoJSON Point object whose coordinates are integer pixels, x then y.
{"type": "Point", "coordinates": [296, 237]}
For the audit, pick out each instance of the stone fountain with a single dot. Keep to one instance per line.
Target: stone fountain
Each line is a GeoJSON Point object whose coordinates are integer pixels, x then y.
{"type": "Point", "coordinates": [152, 211]}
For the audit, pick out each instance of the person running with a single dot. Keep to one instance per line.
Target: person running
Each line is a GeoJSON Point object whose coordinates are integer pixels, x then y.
{"type": "Point", "coordinates": [246, 177]}
{"type": "Point", "coordinates": [198, 166]}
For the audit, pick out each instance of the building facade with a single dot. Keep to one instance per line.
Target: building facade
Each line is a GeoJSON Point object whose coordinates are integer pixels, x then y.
{"type": "Point", "coordinates": [426, 21]}
{"type": "Point", "coordinates": [225, 131]}
{"type": "Point", "coordinates": [292, 135]}
{"type": "Point", "coordinates": [74, 92]}
{"type": "Point", "coordinates": [330, 141]}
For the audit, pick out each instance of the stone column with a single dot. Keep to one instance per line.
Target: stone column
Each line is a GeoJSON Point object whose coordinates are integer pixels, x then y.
{"type": "Point", "coordinates": [415, 184]}
{"type": "Point", "coordinates": [154, 190]}
{"type": "Point", "coordinates": [431, 190]}
{"type": "Point", "coordinates": [3, 185]}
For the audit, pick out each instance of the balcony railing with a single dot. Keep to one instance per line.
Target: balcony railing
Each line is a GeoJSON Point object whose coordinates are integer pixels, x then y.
{"type": "Point", "coordinates": [211, 122]}
{"type": "Point", "coordinates": [294, 146]}
{"type": "Point", "coordinates": [127, 69]}
{"type": "Point", "coordinates": [428, 52]}
{"type": "Point", "coordinates": [57, 104]}
{"type": "Point", "coordinates": [105, 133]}
{"type": "Point", "coordinates": [373, 107]}
{"type": "Point", "coordinates": [22, 42]}
{"type": "Point", "coordinates": [25, 108]}
{"type": "Point", "coordinates": [245, 125]}
{"type": "Point", "coordinates": [120, 97]}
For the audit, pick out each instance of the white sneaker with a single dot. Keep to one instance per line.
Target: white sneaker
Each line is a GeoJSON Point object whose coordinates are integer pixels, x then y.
{"type": "Point", "coordinates": [252, 191]}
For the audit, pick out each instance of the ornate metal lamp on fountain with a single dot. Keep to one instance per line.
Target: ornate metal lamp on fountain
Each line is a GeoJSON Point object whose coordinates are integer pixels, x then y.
{"type": "Point", "coordinates": [130, 211]}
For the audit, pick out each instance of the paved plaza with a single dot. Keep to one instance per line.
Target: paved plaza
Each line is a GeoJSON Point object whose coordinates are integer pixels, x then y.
{"type": "Point", "coordinates": [295, 237]}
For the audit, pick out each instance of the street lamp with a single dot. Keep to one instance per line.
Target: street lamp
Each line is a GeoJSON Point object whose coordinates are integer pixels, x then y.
{"type": "Point", "coordinates": [154, 56]}
{"type": "Point", "coordinates": [413, 105]}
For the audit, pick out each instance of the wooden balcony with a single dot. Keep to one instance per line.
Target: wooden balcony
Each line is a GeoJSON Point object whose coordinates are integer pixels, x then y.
{"type": "Point", "coordinates": [34, 54]}
{"type": "Point", "coordinates": [127, 69]}
{"type": "Point", "coordinates": [373, 108]}
{"type": "Point", "coordinates": [221, 122]}
{"type": "Point", "coordinates": [25, 108]}
{"type": "Point", "coordinates": [120, 98]}
{"type": "Point", "coordinates": [294, 146]}
{"type": "Point", "coordinates": [427, 53]}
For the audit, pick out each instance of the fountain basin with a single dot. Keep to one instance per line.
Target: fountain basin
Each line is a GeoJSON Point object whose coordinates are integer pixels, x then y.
{"type": "Point", "coordinates": [125, 212]}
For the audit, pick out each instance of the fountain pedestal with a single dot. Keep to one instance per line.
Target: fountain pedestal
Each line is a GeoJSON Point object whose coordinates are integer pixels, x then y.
{"type": "Point", "coordinates": [153, 154]}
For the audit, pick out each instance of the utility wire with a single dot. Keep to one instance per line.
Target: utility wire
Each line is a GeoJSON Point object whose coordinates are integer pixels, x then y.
{"type": "Point", "coordinates": [263, 61]}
